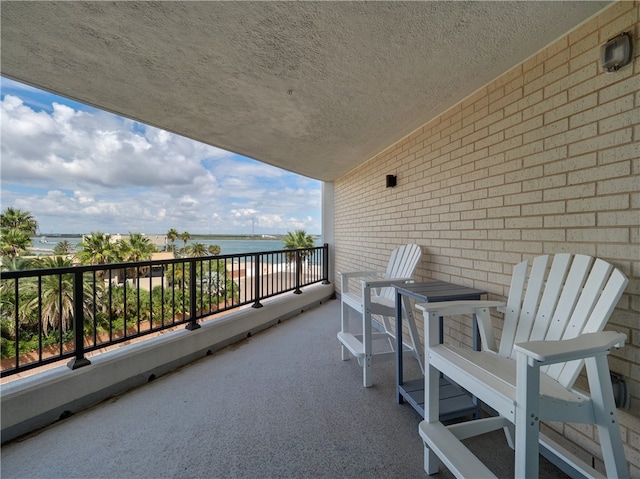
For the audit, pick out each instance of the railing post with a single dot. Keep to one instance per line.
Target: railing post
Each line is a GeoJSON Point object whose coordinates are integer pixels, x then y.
{"type": "Point", "coordinates": [193, 299]}
{"type": "Point", "coordinates": [298, 272]}
{"type": "Point", "coordinates": [16, 296]}
{"type": "Point", "coordinates": [325, 263]}
{"type": "Point", "coordinates": [257, 272]}
{"type": "Point", "coordinates": [78, 323]}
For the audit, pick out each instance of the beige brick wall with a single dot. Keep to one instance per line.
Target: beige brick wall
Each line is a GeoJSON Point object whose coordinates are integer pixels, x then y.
{"type": "Point", "coordinates": [545, 159]}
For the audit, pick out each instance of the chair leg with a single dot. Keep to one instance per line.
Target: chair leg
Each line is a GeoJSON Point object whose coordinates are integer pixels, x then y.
{"type": "Point", "coordinates": [367, 342]}
{"type": "Point", "coordinates": [509, 434]}
{"type": "Point", "coordinates": [367, 373]}
{"type": "Point", "coordinates": [604, 410]}
{"type": "Point", "coordinates": [386, 323]}
{"type": "Point", "coordinates": [431, 414]}
{"type": "Point", "coordinates": [345, 354]}
{"type": "Point", "coordinates": [431, 461]}
{"type": "Point", "coordinates": [367, 362]}
{"type": "Point", "coordinates": [527, 418]}
{"type": "Point", "coordinates": [431, 390]}
{"type": "Point", "coordinates": [344, 327]}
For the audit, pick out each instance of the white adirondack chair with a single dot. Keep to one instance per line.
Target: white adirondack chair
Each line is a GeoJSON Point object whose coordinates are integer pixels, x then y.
{"type": "Point", "coordinates": [554, 322]}
{"type": "Point", "coordinates": [376, 299]}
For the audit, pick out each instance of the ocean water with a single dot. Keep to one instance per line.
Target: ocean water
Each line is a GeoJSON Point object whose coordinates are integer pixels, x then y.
{"type": "Point", "coordinates": [44, 245]}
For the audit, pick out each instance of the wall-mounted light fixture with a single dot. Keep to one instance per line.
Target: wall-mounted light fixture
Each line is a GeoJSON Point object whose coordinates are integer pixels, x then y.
{"type": "Point", "coordinates": [392, 180]}
{"type": "Point", "coordinates": [620, 390]}
{"type": "Point", "coordinates": [616, 53]}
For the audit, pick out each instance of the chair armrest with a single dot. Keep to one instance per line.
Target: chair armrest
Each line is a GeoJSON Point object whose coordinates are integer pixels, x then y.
{"type": "Point", "coordinates": [345, 277]}
{"type": "Point", "coordinates": [381, 283]}
{"type": "Point", "coordinates": [361, 274]}
{"type": "Point", "coordinates": [454, 308]}
{"type": "Point", "coordinates": [584, 346]}
{"type": "Point", "coordinates": [479, 308]}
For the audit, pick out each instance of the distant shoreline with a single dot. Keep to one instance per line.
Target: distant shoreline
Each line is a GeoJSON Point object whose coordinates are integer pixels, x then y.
{"type": "Point", "coordinates": [191, 236]}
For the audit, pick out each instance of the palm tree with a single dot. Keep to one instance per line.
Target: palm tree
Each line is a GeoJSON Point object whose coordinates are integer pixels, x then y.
{"type": "Point", "coordinates": [177, 275]}
{"type": "Point", "coordinates": [14, 241]}
{"type": "Point", "coordinates": [185, 237]}
{"type": "Point", "coordinates": [297, 240]}
{"type": "Point", "coordinates": [15, 263]}
{"type": "Point", "coordinates": [13, 218]}
{"type": "Point", "coordinates": [8, 299]}
{"type": "Point", "coordinates": [63, 248]}
{"type": "Point", "coordinates": [137, 248]}
{"type": "Point", "coordinates": [16, 229]}
{"type": "Point", "coordinates": [26, 315]}
{"type": "Point", "coordinates": [196, 250]}
{"type": "Point", "coordinates": [57, 297]}
{"type": "Point", "coordinates": [214, 250]}
{"type": "Point", "coordinates": [172, 235]}
{"type": "Point", "coordinates": [97, 248]}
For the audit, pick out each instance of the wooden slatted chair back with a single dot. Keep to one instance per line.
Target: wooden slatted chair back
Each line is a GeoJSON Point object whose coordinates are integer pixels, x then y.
{"type": "Point", "coordinates": [560, 299]}
{"type": "Point", "coordinates": [402, 264]}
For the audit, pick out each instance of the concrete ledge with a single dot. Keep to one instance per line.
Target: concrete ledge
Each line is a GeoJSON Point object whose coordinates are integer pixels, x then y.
{"type": "Point", "coordinates": [36, 401]}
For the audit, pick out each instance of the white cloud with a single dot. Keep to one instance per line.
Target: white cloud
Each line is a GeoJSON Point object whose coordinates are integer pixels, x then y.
{"type": "Point", "coordinates": [81, 171]}
{"type": "Point", "coordinates": [96, 149]}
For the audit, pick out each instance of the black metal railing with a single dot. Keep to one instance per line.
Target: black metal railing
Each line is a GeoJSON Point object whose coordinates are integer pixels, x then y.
{"type": "Point", "coordinates": [59, 313]}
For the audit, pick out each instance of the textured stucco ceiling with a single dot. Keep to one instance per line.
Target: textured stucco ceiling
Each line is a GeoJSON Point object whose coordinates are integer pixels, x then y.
{"type": "Point", "coordinates": [312, 87]}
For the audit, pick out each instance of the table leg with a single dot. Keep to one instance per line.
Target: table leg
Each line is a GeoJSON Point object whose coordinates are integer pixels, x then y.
{"type": "Point", "coordinates": [476, 347]}
{"type": "Point", "coordinates": [399, 378]}
{"type": "Point", "coordinates": [476, 334]}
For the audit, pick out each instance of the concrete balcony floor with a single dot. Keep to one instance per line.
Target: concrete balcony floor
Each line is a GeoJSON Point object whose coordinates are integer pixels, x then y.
{"type": "Point", "coordinates": [280, 404]}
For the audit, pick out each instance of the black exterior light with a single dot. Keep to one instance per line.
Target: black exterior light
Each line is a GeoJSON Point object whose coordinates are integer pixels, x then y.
{"type": "Point", "coordinates": [616, 53]}
{"type": "Point", "coordinates": [392, 181]}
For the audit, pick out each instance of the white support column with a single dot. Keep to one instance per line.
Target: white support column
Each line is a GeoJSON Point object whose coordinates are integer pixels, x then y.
{"type": "Point", "coordinates": [328, 224]}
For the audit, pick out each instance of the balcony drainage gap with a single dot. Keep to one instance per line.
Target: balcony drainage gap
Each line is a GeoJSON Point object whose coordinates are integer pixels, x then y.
{"type": "Point", "coordinates": [65, 415]}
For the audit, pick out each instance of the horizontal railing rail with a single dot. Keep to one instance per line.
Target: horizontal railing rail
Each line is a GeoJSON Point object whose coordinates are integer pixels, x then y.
{"type": "Point", "coordinates": [48, 315]}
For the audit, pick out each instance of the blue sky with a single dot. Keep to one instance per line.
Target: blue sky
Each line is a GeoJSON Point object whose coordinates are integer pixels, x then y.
{"type": "Point", "coordinates": [78, 169]}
